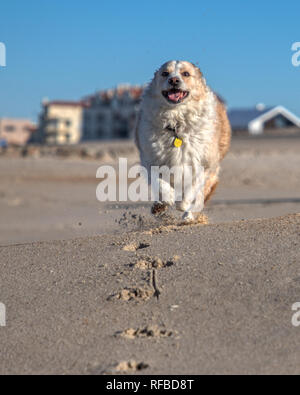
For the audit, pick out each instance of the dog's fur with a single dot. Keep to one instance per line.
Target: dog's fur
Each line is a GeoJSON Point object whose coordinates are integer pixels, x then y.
{"type": "Point", "coordinates": [200, 121]}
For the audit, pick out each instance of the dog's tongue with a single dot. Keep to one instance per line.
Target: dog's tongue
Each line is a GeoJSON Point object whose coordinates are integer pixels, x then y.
{"type": "Point", "coordinates": [175, 96]}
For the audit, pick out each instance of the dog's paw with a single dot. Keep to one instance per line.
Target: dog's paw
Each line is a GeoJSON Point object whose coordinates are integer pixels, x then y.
{"type": "Point", "coordinates": [159, 208]}
{"type": "Point", "coordinates": [188, 217]}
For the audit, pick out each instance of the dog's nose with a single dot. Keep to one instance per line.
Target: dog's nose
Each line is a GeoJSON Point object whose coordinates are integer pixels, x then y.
{"type": "Point", "coordinates": [174, 81]}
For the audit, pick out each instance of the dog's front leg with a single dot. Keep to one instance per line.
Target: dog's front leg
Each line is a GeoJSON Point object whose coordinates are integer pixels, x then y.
{"type": "Point", "coordinates": [193, 201]}
{"type": "Point", "coordinates": [194, 209]}
{"type": "Point", "coordinates": [163, 195]}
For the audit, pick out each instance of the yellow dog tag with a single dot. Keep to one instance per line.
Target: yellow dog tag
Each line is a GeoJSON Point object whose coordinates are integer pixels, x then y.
{"type": "Point", "coordinates": [178, 142]}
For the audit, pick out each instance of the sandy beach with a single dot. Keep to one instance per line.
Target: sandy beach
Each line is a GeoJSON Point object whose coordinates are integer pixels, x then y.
{"type": "Point", "coordinates": [100, 288]}
{"type": "Point", "coordinates": [53, 198]}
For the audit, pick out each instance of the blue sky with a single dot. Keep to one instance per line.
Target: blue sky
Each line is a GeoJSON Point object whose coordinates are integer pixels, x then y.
{"type": "Point", "coordinates": [67, 49]}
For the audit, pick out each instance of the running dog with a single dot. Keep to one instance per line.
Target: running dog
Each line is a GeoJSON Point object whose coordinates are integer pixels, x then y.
{"type": "Point", "coordinates": [182, 123]}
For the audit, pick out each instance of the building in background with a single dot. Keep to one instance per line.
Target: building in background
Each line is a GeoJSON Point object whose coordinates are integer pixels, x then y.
{"type": "Point", "coordinates": [105, 115]}
{"type": "Point", "coordinates": [61, 122]}
{"type": "Point", "coordinates": [16, 131]}
{"type": "Point", "coordinates": [111, 114]}
{"type": "Point", "coordinates": [264, 120]}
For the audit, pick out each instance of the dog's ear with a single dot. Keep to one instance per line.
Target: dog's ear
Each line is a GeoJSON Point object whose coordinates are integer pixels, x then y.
{"type": "Point", "coordinates": [201, 86]}
{"type": "Point", "coordinates": [200, 76]}
{"type": "Point", "coordinates": [155, 77]}
{"type": "Point", "coordinates": [198, 71]}
{"type": "Point", "coordinates": [156, 74]}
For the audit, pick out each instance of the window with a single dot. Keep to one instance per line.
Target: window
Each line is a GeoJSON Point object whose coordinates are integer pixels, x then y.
{"type": "Point", "coordinates": [68, 123]}
{"type": "Point", "coordinates": [52, 122]}
{"type": "Point", "coordinates": [9, 128]}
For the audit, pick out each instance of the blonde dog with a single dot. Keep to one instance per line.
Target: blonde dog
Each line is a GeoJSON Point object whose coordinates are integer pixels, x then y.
{"type": "Point", "coordinates": [182, 123]}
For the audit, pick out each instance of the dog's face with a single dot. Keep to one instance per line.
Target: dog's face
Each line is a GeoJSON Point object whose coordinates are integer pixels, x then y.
{"type": "Point", "coordinates": [178, 82]}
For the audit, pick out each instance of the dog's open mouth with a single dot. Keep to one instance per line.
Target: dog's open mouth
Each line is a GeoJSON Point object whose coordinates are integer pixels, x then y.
{"type": "Point", "coordinates": [175, 95]}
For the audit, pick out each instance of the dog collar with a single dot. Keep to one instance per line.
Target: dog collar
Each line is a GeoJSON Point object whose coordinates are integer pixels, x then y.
{"type": "Point", "coordinates": [177, 140]}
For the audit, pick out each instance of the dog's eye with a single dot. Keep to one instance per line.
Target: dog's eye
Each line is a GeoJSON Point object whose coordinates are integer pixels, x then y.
{"type": "Point", "coordinates": [186, 74]}
{"type": "Point", "coordinates": [165, 74]}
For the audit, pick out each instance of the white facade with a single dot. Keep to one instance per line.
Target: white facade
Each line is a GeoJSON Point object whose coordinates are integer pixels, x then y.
{"type": "Point", "coordinates": [61, 122]}
{"type": "Point", "coordinates": [257, 125]}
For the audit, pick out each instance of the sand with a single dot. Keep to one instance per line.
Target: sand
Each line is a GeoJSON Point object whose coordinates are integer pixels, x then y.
{"type": "Point", "coordinates": [124, 294]}
{"type": "Point", "coordinates": [52, 199]}
{"type": "Point", "coordinates": [228, 299]}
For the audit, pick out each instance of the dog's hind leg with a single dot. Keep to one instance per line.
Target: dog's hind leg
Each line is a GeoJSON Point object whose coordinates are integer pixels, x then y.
{"type": "Point", "coordinates": [210, 189]}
